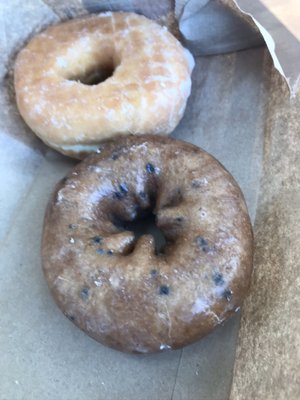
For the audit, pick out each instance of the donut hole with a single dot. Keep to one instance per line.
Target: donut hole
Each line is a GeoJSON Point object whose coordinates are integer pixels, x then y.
{"type": "Point", "coordinates": [95, 74]}
{"type": "Point", "coordinates": [153, 211]}
{"type": "Point", "coordinates": [144, 224]}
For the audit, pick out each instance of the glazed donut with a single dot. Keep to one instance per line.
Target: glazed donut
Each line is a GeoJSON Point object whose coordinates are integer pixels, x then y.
{"type": "Point", "coordinates": [57, 75]}
{"type": "Point", "coordinates": [117, 288]}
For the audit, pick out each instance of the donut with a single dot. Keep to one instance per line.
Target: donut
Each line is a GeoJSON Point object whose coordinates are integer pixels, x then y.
{"type": "Point", "coordinates": [87, 80]}
{"type": "Point", "coordinates": [114, 285]}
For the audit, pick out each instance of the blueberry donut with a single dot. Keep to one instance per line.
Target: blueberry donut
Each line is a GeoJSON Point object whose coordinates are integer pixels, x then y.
{"type": "Point", "coordinates": [117, 287]}
{"type": "Point", "coordinates": [86, 80]}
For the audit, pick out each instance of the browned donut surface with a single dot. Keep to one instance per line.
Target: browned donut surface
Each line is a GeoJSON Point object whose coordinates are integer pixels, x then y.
{"type": "Point", "coordinates": [116, 288]}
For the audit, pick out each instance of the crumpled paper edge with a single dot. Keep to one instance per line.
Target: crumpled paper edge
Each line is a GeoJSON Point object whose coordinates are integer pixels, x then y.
{"type": "Point", "coordinates": [280, 60]}
{"type": "Point", "coordinates": [271, 45]}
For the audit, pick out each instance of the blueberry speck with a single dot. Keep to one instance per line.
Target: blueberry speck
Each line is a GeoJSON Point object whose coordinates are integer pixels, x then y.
{"type": "Point", "coordinates": [96, 239]}
{"type": "Point", "coordinates": [118, 195]}
{"type": "Point", "coordinates": [122, 192]}
{"type": "Point", "coordinates": [110, 252]}
{"type": "Point", "coordinates": [164, 290]}
{"type": "Point", "coordinates": [153, 272]}
{"type": "Point", "coordinates": [72, 226]}
{"type": "Point", "coordinates": [114, 156]}
{"type": "Point", "coordinates": [142, 195]}
{"type": "Point", "coordinates": [218, 279]}
{"type": "Point", "coordinates": [227, 294]}
{"type": "Point", "coordinates": [196, 183]}
{"type": "Point", "coordinates": [123, 188]}
{"type": "Point", "coordinates": [84, 293]}
{"type": "Point", "coordinates": [202, 243]}
{"type": "Point", "coordinates": [179, 219]}
{"type": "Point", "coordinates": [100, 251]}
{"type": "Point", "coordinates": [150, 168]}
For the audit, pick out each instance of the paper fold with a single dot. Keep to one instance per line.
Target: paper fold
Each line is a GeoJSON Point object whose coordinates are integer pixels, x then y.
{"type": "Point", "coordinates": [220, 26]}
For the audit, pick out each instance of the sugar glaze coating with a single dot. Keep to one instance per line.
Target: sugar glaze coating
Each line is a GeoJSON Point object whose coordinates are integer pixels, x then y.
{"type": "Point", "coordinates": [146, 93]}
{"type": "Point", "coordinates": [117, 289]}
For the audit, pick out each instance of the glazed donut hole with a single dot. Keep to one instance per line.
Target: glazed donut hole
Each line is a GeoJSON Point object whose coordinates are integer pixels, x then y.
{"type": "Point", "coordinates": [90, 67]}
{"type": "Point", "coordinates": [94, 75]}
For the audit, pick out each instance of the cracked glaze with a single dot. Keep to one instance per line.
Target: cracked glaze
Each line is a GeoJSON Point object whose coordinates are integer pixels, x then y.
{"type": "Point", "coordinates": [146, 93]}
{"type": "Point", "coordinates": [117, 289]}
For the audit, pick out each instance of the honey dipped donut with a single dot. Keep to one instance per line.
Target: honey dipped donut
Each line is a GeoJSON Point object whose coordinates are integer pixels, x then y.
{"type": "Point", "coordinates": [116, 287]}
{"type": "Point", "coordinates": [86, 80]}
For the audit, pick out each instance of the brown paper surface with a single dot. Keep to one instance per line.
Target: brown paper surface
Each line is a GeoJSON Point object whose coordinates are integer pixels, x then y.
{"type": "Point", "coordinates": [267, 363]}
{"type": "Point", "coordinates": [43, 355]}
